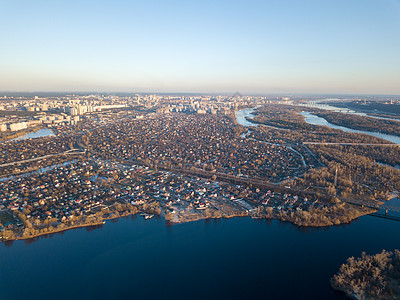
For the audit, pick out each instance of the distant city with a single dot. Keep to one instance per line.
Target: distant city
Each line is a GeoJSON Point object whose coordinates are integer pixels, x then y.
{"type": "Point", "coordinates": [50, 111]}
{"type": "Point", "coordinates": [66, 110]}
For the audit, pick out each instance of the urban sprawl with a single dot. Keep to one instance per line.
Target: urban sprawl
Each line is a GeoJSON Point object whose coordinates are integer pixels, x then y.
{"type": "Point", "coordinates": [181, 157]}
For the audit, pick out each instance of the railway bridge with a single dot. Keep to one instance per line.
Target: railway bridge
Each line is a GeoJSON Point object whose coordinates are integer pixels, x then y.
{"type": "Point", "coordinates": [384, 211]}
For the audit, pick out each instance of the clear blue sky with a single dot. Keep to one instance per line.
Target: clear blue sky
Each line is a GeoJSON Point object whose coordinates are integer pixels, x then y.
{"type": "Point", "coordinates": [288, 46]}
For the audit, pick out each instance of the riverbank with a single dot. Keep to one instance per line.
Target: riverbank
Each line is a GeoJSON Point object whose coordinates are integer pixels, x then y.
{"type": "Point", "coordinates": [318, 118]}
{"type": "Point", "coordinates": [325, 217]}
{"type": "Point", "coordinates": [42, 132]}
{"type": "Point", "coordinates": [86, 223]}
{"type": "Point", "coordinates": [197, 217]}
{"type": "Point", "coordinates": [316, 217]}
{"type": "Point", "coordinates": [58, 231]}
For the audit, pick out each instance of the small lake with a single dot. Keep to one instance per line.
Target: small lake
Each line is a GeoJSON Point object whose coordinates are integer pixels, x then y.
{"type": "Point", "coordinates": [32, 135]}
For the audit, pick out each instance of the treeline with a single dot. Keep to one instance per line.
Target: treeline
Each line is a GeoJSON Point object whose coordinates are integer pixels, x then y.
{"type": "Point", "coordinates": [35, 227]}
{"type": "Point", "coordinates": [338, 213]}
{"type": "Point", "coordinates": [382, 154]}
{"type": "Point", "coordinates": [370, 106]}
{"type": "Point", "coordinates": [370, 276]}
{"type": "Point", "coordinates": [320, 134]}
{"type": "Point", "coordinates": [281, 116]}
{"type": "Point", "coordinates": [18, 113]}
{"type": "Point", "coordinates": [384, 116]}
{"type": "Point", "coordinates": [356, 175]}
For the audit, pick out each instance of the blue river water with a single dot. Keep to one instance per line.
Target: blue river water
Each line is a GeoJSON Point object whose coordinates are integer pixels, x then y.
{"type": "Point", "coordinates": [315, 120]}
{"type": "Point", "coordinates": [325, 106]}
{"type": "Point", "coordinates": [237, 258]}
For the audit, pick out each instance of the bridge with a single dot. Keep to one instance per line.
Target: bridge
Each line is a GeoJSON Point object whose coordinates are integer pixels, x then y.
{"type": "Point", "coordinates": [383, 211]}
{"type": "Point", "coordinates": [386, 212]}
{"type": "Point", "coordinates": [390, 208]}
{"type": "Point", "coordinates": [385, 216]}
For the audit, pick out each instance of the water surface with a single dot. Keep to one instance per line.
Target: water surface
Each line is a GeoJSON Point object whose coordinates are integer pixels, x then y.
{"type": "Point", "coordinates": [325, 106]}
{"type": "Point", "coordinates": [32, 135]}
{"type": "Point", "coordinates": [237, 258]}
{"type": "Point", "coordinates": [315, 120]}
{"type": "Point", "coordinates": [241, 116]}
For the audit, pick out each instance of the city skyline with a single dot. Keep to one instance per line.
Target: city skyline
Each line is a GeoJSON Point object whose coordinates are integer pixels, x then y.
{"type": "Point", "coordinates": [252, 47]}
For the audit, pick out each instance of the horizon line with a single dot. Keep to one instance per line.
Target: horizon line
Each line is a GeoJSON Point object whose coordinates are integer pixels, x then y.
{"type": "Point", "coordinates": [199, 93]}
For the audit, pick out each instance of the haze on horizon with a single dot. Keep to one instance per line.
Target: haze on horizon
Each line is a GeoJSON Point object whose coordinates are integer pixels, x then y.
{"type": "Point", "coordinates": [201, 46]}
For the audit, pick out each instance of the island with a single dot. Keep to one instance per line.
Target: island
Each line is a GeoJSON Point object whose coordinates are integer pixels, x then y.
{"type": "Point", "coordinates": [370, 276]}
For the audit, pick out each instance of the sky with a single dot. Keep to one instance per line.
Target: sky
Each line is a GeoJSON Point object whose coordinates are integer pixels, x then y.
{"type": "Point", "coordinates": [210, 46]}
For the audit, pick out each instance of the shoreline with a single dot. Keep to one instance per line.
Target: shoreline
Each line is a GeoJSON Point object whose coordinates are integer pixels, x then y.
{"type": "Point", "coordinates": [56, 231]}
{"type": "Point", "coordinates": [124, 214]}
{"type": "Point", "coordinates": [21, 133]}
{"type": "Point", "coordinates": [286, 218]}
{"type": "Point", "coordinates": [281, 219]}
{"type": "Point", "coordinates": [354, 277]}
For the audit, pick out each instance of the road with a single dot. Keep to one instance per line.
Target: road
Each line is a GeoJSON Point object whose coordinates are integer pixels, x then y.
{"type": "Point", "coordinates": [72, 151]}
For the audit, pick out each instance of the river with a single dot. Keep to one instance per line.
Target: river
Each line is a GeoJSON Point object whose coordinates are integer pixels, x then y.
{"type": "Point", "coordinates": [325, 106]}
{"type": "Point", "coordinates": [241, 116]}
{"type": "Point", "coordinates": [32, 135]}
{"type": "Point", "coordinates": [315, 120]}
{"type": "Point", "coordinates": [237, 258]}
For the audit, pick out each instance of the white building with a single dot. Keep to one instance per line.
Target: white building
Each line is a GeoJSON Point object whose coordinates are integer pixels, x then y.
{"type": "Point", "coordinates": [18, 126]}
